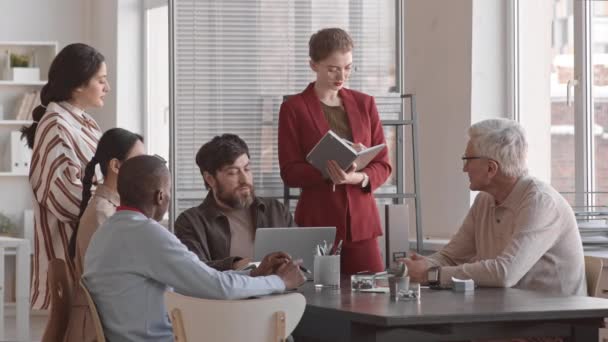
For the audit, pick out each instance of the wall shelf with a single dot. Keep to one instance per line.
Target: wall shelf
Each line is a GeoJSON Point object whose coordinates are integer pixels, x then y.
{"type": "Point", "coordinates": [13, 174]}
{"type": "Point", "coordinates": [22, 84]}
{"type": "Point", "coordinates": [15, 122]}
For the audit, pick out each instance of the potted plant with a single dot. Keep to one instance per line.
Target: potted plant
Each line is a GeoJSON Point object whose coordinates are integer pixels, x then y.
{"type": "Point", "coordinates": [7, 227]}
{"type": "Point", "coordinates": [21, 69]}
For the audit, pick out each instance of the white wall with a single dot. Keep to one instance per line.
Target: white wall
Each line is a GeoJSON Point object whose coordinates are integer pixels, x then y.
{"type": "Point", "coordinates": [102, 33]}
{"type": "Point", "coordinates": [489, 95]}
{"type": "Point", "coordinates": [535, 88]}
{"type": "Point", "coordinates": [35, 20]}
{"type": "Point", "coordinates": [438, 71]}
{"type": "Point", "coordinates": [490, 72]}
{"type": "Point", "coordinates": [115, 28]}
{"type": "Point", "coordinates": [130, 66]}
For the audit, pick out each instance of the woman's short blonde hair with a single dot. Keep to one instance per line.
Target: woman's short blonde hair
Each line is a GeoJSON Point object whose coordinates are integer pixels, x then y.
{"type": "Point", "coordinates": [327, 41]}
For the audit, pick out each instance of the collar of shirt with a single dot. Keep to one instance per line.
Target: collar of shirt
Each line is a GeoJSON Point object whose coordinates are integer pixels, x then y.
{"type": "Point", "coordinates": [75, 110]}
{"type": "Point", "coordinates": [84, 118]}
{"type": "Point", "coordinates": [125, 207]}
{"type": "Point", "coordinates": [514, 198]}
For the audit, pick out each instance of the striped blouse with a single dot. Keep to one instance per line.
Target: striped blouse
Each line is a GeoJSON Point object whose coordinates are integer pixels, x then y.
{"type": "Point", "coordinates": [65, 141]}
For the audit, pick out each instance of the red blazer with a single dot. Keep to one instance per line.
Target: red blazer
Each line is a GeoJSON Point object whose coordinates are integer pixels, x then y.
{"type": "Point", "coordinates": [301, 125]}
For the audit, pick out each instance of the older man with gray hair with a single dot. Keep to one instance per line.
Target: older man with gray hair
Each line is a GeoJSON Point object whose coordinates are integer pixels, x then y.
{"type": "Point", "coordinates": [519, 232]}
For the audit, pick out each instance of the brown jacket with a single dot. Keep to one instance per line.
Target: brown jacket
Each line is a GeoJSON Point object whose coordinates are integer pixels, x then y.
{"type": "Point", "coordinates": [206, 232]}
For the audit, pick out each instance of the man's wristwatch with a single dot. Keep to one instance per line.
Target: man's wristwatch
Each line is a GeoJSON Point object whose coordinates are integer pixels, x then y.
{"type": "Point", "coordinates": [434, 276]}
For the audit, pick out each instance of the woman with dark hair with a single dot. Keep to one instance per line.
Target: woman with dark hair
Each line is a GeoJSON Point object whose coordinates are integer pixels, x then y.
{"type": "Point", "coordinates": [63, 138]}
{"type": "Point", "coordinates": [115, 146]}
{"type": "Point", "coordinates": [345, 199]}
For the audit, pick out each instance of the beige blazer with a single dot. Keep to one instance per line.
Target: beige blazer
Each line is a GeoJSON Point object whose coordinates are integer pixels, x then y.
{"type": "Point", "coordinates": [101, 206]}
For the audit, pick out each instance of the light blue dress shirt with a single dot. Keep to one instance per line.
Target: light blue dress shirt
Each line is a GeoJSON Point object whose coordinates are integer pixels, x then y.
{"type": "Point", "coordinates": [132, 260]}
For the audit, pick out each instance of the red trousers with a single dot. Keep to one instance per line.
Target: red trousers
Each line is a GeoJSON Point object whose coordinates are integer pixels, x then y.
{"type": "Point", "coordinates": [360, 256]}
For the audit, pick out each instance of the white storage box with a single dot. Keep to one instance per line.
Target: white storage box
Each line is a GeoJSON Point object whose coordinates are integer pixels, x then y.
{"type": "Point", "coordinates": [19, 74]}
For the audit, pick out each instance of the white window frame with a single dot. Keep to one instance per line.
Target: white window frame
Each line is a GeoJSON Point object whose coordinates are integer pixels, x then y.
{"type": "Point", "coordinates": [584, 149]}
{"type": "Point", "coordinates": [583, 106]}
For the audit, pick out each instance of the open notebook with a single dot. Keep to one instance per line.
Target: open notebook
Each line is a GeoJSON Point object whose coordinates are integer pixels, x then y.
{"type": "Point", "coordinates": [332, 147]}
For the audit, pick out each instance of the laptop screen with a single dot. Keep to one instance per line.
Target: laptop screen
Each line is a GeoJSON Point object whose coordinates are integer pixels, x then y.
{"type": "Point", "coordinates": [299, 242]}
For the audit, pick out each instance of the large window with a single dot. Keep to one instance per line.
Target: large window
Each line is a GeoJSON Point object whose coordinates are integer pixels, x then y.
{"type": "Point", "coordinates": [236, 60]}
{"type": "Point", "coordinates": [579, 101]}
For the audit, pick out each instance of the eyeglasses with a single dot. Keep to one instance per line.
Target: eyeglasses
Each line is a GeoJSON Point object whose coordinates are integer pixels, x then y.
{"type": "Point", "coordinates": [465, 159]}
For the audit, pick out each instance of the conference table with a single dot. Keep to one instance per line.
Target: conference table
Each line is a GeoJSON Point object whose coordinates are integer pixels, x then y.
{"type": "Point", "coordinates": [444, 315]}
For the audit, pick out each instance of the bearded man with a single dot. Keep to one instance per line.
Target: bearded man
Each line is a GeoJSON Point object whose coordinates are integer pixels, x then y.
{"type": "Point", "coordinates": [221, 230]}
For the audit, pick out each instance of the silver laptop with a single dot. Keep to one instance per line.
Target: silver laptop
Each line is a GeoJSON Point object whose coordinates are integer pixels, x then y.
{"type": "Point", "coordinates": [299, 242]}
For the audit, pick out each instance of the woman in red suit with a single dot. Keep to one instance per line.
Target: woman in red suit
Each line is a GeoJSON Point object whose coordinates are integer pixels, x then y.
{"type": "Point", "coordinates": [345, 200]}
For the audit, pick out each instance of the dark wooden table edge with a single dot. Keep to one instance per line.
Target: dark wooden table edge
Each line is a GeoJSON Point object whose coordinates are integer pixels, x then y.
{"type": "Point", "coordinates": [392, 321]}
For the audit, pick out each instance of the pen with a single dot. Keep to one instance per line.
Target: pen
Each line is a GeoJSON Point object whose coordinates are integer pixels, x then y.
{"type": "Point", "coordinates": [338, 248]}
{"type": "Point", "coordinates": [304, 269]}
{"type": "Point", "coordinates": [333, 187]}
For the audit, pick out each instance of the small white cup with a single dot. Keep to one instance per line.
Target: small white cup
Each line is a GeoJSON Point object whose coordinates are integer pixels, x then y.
{"type": "Point", "coordinates": [326, 270]}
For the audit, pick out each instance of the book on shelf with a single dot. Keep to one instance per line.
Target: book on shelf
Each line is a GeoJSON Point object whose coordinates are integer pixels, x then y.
{"type": "Point", "coordinates": [26, 105]}
{"type": "Point", "coordinates": [21, 155]}
{"type": "Point", "coordinates": [19, 107]}
{"type": "Point", "coordinates": [7, 64]}
{"type": "Point", "coordinates": [28, 227]}
{"type": "Point", "coordinates": [332, 147]}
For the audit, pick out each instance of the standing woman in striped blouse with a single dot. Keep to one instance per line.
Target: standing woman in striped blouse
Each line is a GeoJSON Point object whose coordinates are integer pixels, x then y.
{"type": "Point", "coordinates": [63, 138]}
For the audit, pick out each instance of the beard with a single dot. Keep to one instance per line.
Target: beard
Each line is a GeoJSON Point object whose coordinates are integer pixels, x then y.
{"type": "Point", "coordinates": [236, 199]}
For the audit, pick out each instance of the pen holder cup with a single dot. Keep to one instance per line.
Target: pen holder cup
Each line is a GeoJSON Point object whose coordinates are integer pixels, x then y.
{"type": "Point", "coordinates": [327, 270]}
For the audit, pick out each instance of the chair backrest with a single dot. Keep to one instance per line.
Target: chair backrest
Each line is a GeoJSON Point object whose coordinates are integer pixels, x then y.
{"type": "Point", "coordinates": [60, 287]}
{"type": "Point", "coordinates": [593, 273]}
{"type": "Point", "coordinates": [93, 310]}
{"type": "Point", "coordinates": [270, 318]}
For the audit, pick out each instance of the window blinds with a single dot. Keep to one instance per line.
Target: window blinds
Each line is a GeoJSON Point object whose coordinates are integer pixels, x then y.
{"type": "Point", "coordinates": [235, 60]}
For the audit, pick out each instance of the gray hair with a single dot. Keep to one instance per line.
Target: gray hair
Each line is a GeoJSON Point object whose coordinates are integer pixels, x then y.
{"type": "Point", "coordinates": [504, 141]}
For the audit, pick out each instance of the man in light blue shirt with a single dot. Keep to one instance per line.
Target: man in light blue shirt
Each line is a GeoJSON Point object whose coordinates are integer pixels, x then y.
{"type": "Point", "coordinates": [132, 260]}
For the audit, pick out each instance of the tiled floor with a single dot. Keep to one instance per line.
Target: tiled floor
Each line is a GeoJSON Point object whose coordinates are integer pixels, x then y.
{"type": "Point", "coordinates": [37, 325]}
